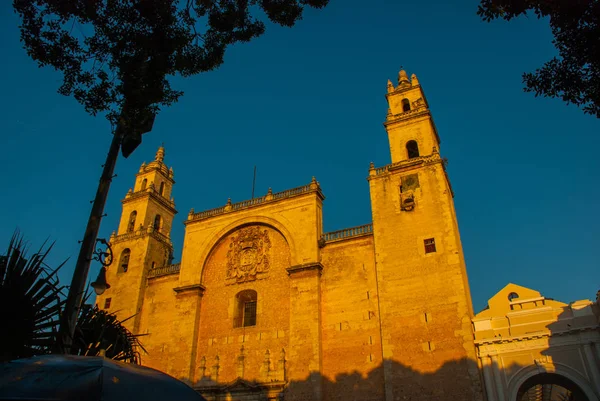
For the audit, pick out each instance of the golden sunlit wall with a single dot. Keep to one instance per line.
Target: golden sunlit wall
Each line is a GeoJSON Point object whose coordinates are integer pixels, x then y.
{"type": "Point", "coordinates": [375, 312]}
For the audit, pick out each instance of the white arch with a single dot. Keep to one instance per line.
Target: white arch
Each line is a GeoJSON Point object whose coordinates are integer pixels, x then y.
{"type": "Point", "coordinates": [545, 367]}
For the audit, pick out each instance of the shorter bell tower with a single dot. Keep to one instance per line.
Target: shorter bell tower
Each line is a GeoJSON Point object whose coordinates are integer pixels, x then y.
{"type": "Point", "coordinates": [142, 241]}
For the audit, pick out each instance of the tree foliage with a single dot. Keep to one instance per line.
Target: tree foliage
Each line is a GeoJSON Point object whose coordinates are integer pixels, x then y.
{"type": "Point", "coordinates": [31, 303]}
{"type": "Point", "coordinates": [573, 76]}
{"type": "Point", "coordinates": [118, 55]}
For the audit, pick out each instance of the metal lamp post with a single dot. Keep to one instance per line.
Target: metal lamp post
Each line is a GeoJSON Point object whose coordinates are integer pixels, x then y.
{"type": "Point", "coordinates": [133, 123]}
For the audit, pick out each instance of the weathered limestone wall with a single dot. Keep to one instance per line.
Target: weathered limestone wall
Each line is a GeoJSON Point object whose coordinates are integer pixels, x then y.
{"type": "Point", "coordinates": [424, 297]}
{"type": "Point", "coordinates": [351, 339]}
{"type": "Point", "coordinates": [157, 319]}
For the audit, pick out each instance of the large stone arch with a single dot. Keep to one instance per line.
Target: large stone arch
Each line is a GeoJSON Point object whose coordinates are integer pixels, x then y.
{"type": "Point", "coordinates": [268, 221]}
{"type": "Point", "coordinates": [527, 372]}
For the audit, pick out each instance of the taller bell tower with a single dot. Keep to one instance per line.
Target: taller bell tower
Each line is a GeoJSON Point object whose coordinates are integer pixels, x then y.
{"type": "Point", "coordinates": [424, 297]}
{"type": "Point", "coordinates": [142, 241]}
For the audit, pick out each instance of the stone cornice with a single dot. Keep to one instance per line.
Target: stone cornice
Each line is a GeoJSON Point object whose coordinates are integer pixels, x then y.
{"type": "Point", "coordinates": [142, 232]}
{"type": "Point", "coordinates": [415, 161]}
{"type": "Point", "coordinates": [407, 115]}
{"type": "Point", "coordinates": [188, 288]}
{"type": "Point", "coordinates": [317, 266]}
{"type": "Point", "coordinates": [269, 198]}
{"type": "Point", "coordinates": [534, 336]}
{"type": "Point", "coordinates": [154, 195]}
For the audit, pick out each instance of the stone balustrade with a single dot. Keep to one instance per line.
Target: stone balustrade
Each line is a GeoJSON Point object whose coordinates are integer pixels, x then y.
{"type": "Point", "coordinates": [269, 197]}
{"type": "Point", "coordinates": [164, 271]}
{"type": "Point", "coordinates": [346, 233]}
{"type": "Point", "coordinates": [432, 158]}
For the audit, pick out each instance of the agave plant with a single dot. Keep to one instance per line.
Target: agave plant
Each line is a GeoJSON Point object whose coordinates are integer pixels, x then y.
{"type": "Point", "coordinates": [100, 333]}
{"type": "Point", "coordinates": [30, 302]}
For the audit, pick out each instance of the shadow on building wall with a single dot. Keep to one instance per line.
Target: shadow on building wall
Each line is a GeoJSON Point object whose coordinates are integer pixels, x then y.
{"type": "Point", "coordinates": [404, 383]}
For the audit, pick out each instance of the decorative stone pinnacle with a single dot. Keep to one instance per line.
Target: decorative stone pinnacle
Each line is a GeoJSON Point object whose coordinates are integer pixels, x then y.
{"type": "Point", "coordinates": [413, 80]}
{"type": "Point", "coordinates": [270, 191]}
{"type": "Point", "coordinates": [402, 77]}
{"type": "Point", "coordinates": [229, 201]}
{"type": "Point", "coordinates": [160, 154]}
{"type": "Point", "coordinates": [371, 166]}
{"type": "Point", "coordinates": [313, 183]}
{"type": "Point", "coordinates": [390, 86]}
{"type": "Point", "coordinates": [191, 211]}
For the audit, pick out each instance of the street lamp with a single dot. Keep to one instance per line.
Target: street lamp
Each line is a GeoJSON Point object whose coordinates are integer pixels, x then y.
{"type": "Point", "coordinates": [100, 285]}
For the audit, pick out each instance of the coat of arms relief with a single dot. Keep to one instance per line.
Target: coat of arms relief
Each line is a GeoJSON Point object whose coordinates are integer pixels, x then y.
{"type": "Point", "coordinates": [248, 255]}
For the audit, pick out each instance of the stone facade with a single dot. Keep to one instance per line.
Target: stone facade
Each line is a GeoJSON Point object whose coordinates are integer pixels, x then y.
{"type": "Point", "coordinates": [264, 305]}
{"type": "Point", "coordinates": [523, 335]}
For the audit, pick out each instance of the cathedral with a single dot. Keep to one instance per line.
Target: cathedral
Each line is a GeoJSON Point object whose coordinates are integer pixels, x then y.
{"type": "Point", "coordinates": [266, 306]}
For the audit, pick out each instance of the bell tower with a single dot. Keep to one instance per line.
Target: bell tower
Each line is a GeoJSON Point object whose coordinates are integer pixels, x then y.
{"type": "Point", "coordinates": [424, 296]}
{"type": "Point", "coordinates": [142, 241]}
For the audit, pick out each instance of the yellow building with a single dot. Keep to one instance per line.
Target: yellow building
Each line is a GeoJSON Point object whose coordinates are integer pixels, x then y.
{"type": "Point", "coordinates": [535, 348]}
{"type": "Point", "coordinates": [264, 305]}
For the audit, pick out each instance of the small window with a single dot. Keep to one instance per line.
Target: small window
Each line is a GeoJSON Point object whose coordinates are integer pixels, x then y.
{"type": "Point", "coordinates": [107, 303]}
{"type": "Point", "coordinates": [430, 245]}
{"type": "Point", "coordinates": [161, 190]}
{"type": "Point", "coordinates": [144, 183]}
{"type": "Point", "coordinates": [246, 309]}
{"type": "Point", "coordinates": [512, 296]}
{"type": "Point", "coordinates": [157, 222]}
{"type": "Point", "coordinates": [124, 261]}
{"type": "Point", "coordinates": [131, 223]}
{"type": "Point", "coordinates": [412, 148]}
{"type": "Point", "coordinates": [405, 105]}
{"type": "Point", "coordinates": [153, 266]}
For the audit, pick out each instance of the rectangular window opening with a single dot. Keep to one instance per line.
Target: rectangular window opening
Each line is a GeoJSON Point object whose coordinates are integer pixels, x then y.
{"type": "Point", "coordinates": [250, 313]}
{"type": "Point", "coordinates": [107, 303]}
{"type": "Point", "coordinates": [430, 245]}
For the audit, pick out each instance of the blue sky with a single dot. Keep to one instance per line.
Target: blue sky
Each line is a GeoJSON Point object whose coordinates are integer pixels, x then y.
{"type": "Point", "coordinates": [310, 101]}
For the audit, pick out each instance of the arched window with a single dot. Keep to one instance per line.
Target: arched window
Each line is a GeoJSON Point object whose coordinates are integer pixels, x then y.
{"type": "Point", "coordinates": [131, 223]}
{"type": "Point", "coordinates": [513, 295]}
{"type": "Point", "coordinates": [157, 222]}
{"type": "Point", "coordinates": [153, 266]}
{"type": "Point", "coordinates": [144, 183]}
{"type": "Point", "coordinates": [405, 105]}
{"type": "Point", "coordinates": [412, 148]}
{"type": "Point", "coordinates": [161, 190]}
{"type": "Point", "coordinates": [124, 261]}
{"type": "Point", "coordinates": [245, 311]}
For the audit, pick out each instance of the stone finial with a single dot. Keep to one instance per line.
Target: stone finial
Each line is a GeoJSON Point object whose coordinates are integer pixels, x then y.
{"type": "Point", "coordinates": [113, 234]}
{"type": "Point", "coordinates": [143, 167]}
{"type": "Point", "coordinates": [313, 183]}
{"type": "Point", "coordinates": [413, 80]}
{"type": "Point", "coordinates": [402, 77]}
{"type": "Point", "coordinates": [171, 172]}
{"type": "Point", "coordinates": [228, 206]}
{"type": "Point", "coordinates": [390, 86]}
{"type": "Point", "coordinates": [202, 367]}
{"type": "Point", "coordinates": [371, 166]}
{"type": "Point", "coordinates": [160, 154]}
{"type": "Point", "coordinates": [191, 212]}
{"type": "Point", "coordinates": [269, 195]}
{"type": "Point", "coordinates": [215, 369]}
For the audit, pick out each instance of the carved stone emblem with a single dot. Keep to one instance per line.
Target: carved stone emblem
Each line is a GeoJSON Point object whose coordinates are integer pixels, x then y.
{"type": "Point", "coordinates": [248, 255]}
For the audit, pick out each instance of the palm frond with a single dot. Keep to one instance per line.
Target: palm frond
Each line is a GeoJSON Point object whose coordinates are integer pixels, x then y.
{"type": "Point", "coordinates": [30, 301]}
